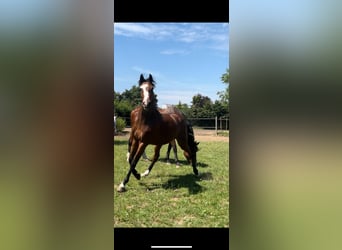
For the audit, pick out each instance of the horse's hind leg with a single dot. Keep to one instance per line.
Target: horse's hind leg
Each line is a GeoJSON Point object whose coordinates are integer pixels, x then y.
{"type": "Point", "coordinates": [174, 146]}
{"type": "Point", "coordinates": [168, 153]}
{"type": "Point", "coordinates": [144, 156]}
{"type": "Point", "coordinates": [155, 158]}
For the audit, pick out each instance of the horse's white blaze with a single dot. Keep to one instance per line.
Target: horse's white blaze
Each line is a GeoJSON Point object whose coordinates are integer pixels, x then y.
{"type": "Point", "coordinates": [146, 99]}
{"type": "Point", "coordinates": [145, 173]}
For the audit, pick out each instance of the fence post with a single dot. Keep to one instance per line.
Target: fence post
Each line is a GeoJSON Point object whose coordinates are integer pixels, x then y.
{"type": "Point", "coordinates": [216, 125]}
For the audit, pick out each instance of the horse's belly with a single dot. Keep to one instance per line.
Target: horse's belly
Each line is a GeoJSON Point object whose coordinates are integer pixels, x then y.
{"type": "Point", "coordinates": [157, 138]}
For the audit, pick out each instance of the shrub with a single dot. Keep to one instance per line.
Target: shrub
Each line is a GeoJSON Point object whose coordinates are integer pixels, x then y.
{"type": "Point", "coordinates": [120, 124]}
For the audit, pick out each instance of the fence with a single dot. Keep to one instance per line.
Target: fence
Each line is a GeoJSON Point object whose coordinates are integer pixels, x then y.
{"type": "Point", "coordinates": [211, 123]}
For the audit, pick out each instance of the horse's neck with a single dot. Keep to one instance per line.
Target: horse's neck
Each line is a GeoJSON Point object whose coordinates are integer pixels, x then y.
{"type": "Point", "coordinates": [145, 116]}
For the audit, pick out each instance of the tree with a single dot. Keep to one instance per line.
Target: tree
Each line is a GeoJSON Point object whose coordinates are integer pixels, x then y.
{"type": "Point", "coordinates": [201, 106]}
{"type": "Point", "coordinates": [132, 96]}
{"type": "Point", "coordinates": [184, 108]}
{"type": "Point", "coordinates": [219, 109]}
{"type": "Point", "coordinates": [225, 77]}
{"type": "Point", "coordinates": [200, 101]}
{"type": "Point", "coordinates": [224, 95]}
{"type": "Point", "coordinates": [125, 102]}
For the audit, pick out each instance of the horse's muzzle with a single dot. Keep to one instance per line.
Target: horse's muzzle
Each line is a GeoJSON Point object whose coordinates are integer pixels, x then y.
{"type": "Point", "coordinates": [146, 106]}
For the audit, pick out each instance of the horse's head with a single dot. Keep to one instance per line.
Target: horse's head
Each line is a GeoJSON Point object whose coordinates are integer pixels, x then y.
{"type": "Point", "coordinates": [147, 94]}
{"type": "Point", "coordinates": [196, 146]}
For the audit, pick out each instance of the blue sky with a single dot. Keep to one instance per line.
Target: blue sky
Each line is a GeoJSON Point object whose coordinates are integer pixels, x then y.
{"type": "Point", "coordinates": [185, 59]}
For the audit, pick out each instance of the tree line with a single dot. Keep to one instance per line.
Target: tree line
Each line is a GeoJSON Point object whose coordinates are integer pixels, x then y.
{"type": "Point", "coordinates": [201, 106]}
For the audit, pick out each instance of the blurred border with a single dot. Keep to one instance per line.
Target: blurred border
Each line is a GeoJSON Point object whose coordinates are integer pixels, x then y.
{"type": "Point", "coordinates": [56, 112]}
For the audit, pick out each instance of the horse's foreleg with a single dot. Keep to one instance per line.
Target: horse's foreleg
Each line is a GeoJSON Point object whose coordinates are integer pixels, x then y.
{"type": "Point", "coordinates": [136, 150]}
{"type": "Point", "coordinates": [137, 155]}
{"type": "Point", "coordinates": [129, 148]}
{"type": "Point", "coordinates": [132, 150]}
{"type": "Point", "coordinates": [155, 158]}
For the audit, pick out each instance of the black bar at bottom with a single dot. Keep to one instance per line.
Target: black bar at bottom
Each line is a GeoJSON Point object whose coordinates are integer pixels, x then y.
{"type": "Point", "coordinates": [171, 238]}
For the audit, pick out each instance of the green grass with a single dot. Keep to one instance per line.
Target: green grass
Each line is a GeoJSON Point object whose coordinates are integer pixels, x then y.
{"type": "Point", "coordinates": [170, 196]}
{"type": "Point", "coordinates": [223, 133]}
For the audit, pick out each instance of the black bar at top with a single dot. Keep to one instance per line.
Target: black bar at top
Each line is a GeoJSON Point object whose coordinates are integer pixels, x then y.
{"type": "Point", "coordinates": [171, 11]}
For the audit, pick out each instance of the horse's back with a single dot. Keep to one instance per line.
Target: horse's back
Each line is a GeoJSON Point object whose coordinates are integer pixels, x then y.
{"type": "Point", "coordinates": [173, 112]}
{"type": "Point", "coordinates": [172, 117]}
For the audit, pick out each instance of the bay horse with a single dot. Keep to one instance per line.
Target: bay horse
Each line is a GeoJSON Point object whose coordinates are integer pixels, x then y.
{"type": "Point", "coordinates": [155, 126]}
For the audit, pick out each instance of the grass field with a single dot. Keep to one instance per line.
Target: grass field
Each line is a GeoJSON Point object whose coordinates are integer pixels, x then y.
{"type": "Point", "coordinates": [170, 196]}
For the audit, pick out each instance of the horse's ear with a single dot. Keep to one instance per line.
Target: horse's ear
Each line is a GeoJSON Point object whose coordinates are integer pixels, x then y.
{"type": "Point", "coordinates": [142, 79]}
{"type": "Point", "coordinates": [150, 78]}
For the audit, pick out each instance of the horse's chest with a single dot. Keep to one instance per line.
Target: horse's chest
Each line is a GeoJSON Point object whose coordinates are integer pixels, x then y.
{"type": "Point", "coordinates": [143, 134]}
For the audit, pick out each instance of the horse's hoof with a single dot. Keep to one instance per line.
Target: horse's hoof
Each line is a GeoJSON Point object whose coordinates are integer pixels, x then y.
{"type": "Point", "coordinates": [145, 173]}
{"type": "Point", "coordinates": [121, 188]}
{"type": "Point", "coordinates": [196, 172]}
{"type": "Point", "coordinates": [168, 163]}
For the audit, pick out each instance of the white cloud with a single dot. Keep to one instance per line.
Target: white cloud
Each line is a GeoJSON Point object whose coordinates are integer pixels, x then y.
{"type": "Point", "coordinates": [174, 52]}
{"type": "Point", "coordinates": [145, 71]}
{"type": "Point", "coordinates": [211, 35]}
{"type": "Point", "coordinates": [131, 29]}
